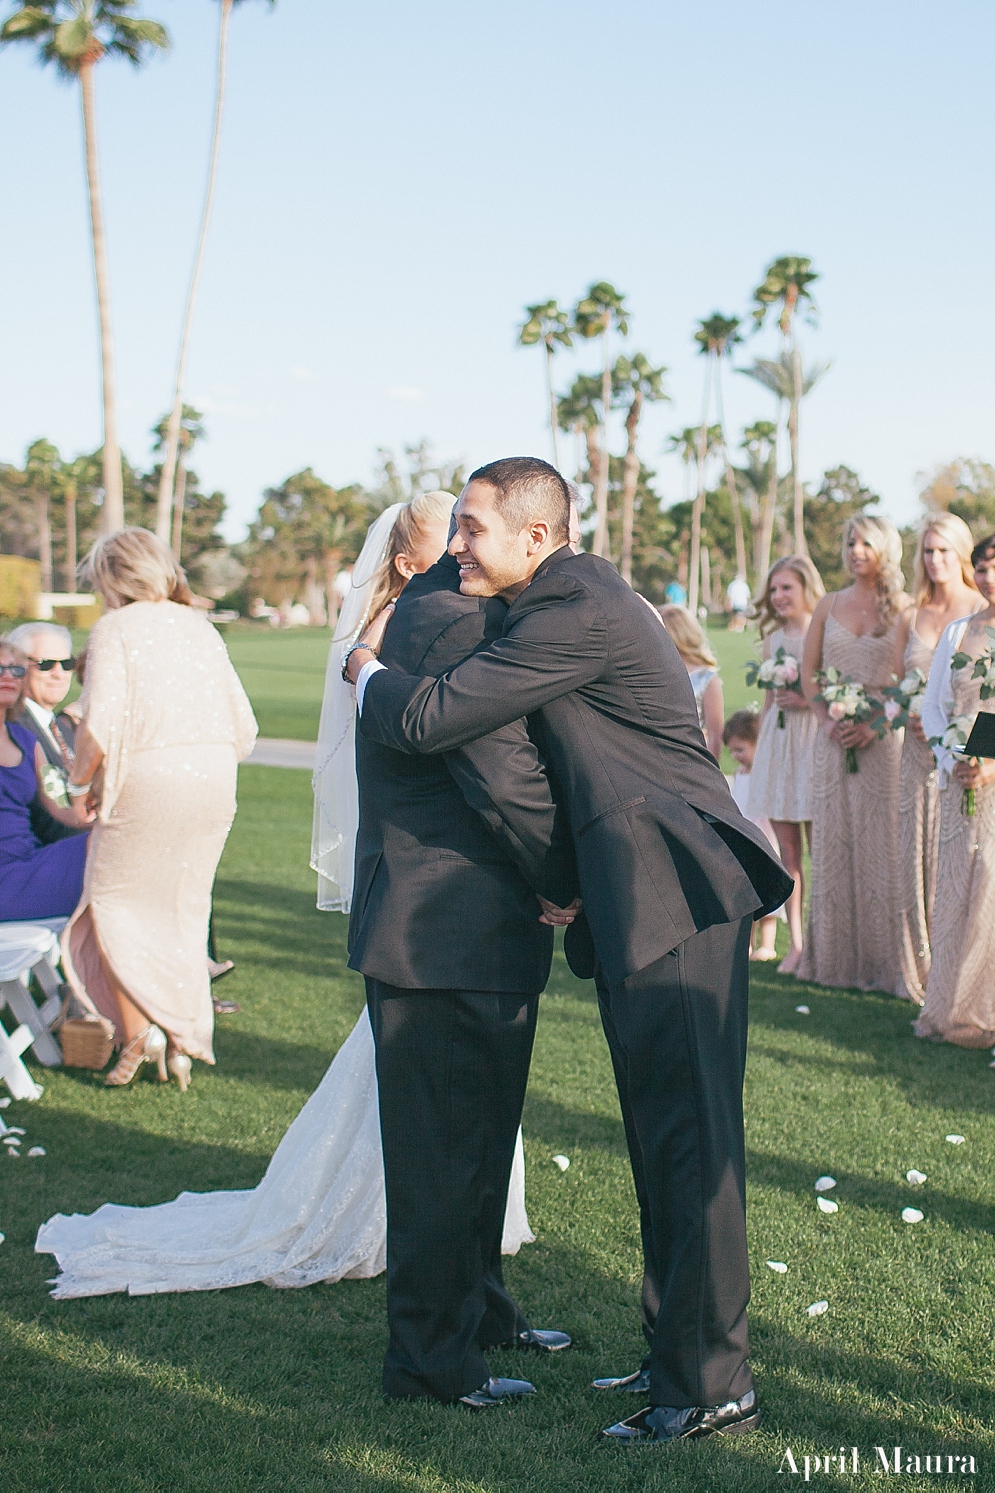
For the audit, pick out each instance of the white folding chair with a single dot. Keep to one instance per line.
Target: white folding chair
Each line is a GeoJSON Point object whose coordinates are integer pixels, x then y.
{"type": "Point", "coordinates": [28, 949]}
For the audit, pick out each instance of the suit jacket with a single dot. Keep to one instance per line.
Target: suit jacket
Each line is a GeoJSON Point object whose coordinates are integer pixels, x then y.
{"type": "Point", "coordinates": [452, 849]}
{"type": "Point", "coordinates": [47, 829]}
{"type": "Point", "coordinates": [662, 850]}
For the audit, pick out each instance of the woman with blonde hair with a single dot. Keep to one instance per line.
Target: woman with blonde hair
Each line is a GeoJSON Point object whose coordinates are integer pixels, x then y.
{"type": "Point", "coordinates": [781, 778]}
{"type": "Point", "coordinates": [404, 541]}
{"type": "Point", "coordinates": [699, 660]}
{"type": "Point", "coordinates": [852, 935]}
{"type": "Point", "coordinates": [165, 722]}
{"type": "Point", "coordinates": [943, 591]}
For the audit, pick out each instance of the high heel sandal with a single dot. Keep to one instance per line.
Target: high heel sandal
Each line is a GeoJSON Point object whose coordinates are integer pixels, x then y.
{"type": "Point", "coordinates": [148, 1047]}
{"type": "Point", "coordinates": [179, 1066]}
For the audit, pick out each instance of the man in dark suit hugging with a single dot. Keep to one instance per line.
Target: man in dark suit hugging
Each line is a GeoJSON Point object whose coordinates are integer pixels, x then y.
{"type": "Point", "coordinates": [671, 875]}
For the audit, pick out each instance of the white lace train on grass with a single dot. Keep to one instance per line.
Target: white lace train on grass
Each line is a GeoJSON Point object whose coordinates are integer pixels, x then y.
{"type": "Point", "coordinates": [317, 1215]}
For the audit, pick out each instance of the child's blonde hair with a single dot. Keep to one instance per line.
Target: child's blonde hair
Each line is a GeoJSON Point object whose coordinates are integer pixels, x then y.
{"type": "Point", "coordinates": [688, 638]}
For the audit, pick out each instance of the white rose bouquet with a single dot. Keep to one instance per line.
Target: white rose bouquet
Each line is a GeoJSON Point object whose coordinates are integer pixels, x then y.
{"type": "Point", "coordinates": [954, 739]}
{"type": "Point", "coordinates": [783, 671]}
{"type": "Point", "coordinates": [847, 699]}
{"type": "Point", "coordinates": [904, 699]}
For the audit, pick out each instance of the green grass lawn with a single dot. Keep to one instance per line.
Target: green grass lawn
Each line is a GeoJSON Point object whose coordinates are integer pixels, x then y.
{"type": "Point", "coordinates": [261, 1389]}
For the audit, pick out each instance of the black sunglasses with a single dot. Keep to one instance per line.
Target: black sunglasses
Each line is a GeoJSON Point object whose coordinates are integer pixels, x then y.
{"type": "Point", "coordinates": [16, 671]}
{"type": "Point", "coordinates": [45, 664]}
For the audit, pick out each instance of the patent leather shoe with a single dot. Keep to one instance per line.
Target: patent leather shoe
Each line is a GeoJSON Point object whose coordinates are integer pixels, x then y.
{"type": "Point", "coordinates": [665, 1423]}
{"type": "Point", "coordinates": [633, 1384]}
{"type": "Point", "coordinates": [539, 1340]}
{"type": "Point", "coordinates": [495, 1391]}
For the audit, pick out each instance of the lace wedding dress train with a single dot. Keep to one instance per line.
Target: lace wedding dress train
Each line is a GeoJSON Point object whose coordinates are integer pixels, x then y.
{"type": "Point", "coordinates": [317, 1215]}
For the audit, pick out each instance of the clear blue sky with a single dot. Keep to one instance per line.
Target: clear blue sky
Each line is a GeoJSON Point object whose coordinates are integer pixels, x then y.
{"type": "Point", "coordinates": [398, 180]}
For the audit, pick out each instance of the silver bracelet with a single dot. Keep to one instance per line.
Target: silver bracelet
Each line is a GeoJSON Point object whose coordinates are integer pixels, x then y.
{"type": "Point", "coordinates": [76, 790]}
{"type": "Point", "coordinates": [348, 655]}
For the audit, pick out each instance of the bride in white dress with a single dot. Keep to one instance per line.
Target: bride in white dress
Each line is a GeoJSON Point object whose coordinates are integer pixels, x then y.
{"type": "Point", "coordinates": [318, 1214]}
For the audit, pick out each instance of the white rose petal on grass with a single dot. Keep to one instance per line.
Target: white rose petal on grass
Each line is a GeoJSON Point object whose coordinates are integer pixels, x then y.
{"type": "Point", "coordinates": [956, 1140]}
{"type": "Point", "coordinates": [37, 1151]}
{"type": "Point", "coordinates": [825, 1184]}
{"type": "Point", "coordinates": [817, 1308]}
{"type": "Point", "coordinates": [4, 1103]}
{"type": "Point", "coordinates": [826, 1205]}
{"type": "Point", "coordinates": [916, 1178]}
{"type": "Point", "coordinates": [911, 1215]}
{"type": "Point", "coordinates": [778, 1266]}
{"type": "Point", "coordinates": [2, 1238]}
{"type": "Point", "coordinates": [562, 1162]}
{"type": "Point", "coordinates": [803, 1010]}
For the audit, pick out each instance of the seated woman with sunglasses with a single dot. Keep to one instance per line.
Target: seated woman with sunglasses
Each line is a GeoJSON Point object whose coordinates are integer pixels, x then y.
{"type": "Point", "coordinates": [36, 880]}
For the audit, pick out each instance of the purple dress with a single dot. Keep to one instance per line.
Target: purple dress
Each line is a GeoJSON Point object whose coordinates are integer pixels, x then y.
{"type": "Point", "coordinates": [36, 881]}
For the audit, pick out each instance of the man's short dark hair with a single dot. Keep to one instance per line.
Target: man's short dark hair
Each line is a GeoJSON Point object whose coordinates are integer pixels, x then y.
{"type": "Point", "coordinates": [983, 551]}
{"type": "Point", "coordinates": [528, 488]}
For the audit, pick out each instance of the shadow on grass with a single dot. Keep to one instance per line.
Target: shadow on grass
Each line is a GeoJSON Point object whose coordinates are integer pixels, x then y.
{"type": "Point", "coordinates": [872, 1034]}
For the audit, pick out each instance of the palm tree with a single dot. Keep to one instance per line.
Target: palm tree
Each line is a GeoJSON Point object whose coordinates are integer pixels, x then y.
{"type": "Point", "coordinates": [717, 336]}
{"type": "Point", "coordinates": [786, 282]}
{"type": "Point", "coordinates": [43, 469]}
{"type": "Point", "coordinates": [191, 431]}
{"type": "Point", "coordinates": [579, 410]}
{"type": "Point", "coordinates": [168, 475]}
{"type": "Point", "coordinates": [697, 443]}
{"type": "Point", "coordinates": [789, 382]}
{"type": "Point", "coordinates": [75, 35]}
{"type": "Point", "coordinates": [760, 444]}
{"type": "Point", "coordinates": [634, 382]}
{"type": "Point", "coordinates": [594, 316]}
{"type": "Point", "coordinates": [546, 323]}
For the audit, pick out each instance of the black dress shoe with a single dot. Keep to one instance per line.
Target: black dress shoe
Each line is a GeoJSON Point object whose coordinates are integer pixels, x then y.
{"type": "Point", "coordinates": [634, 1384]}
{"type": "Point", "coordinates": [539, 1340]}
{"type": "Point", "coordinates": [496, 1390]}
{"type": "Point", "coordinates": [665, 1423]}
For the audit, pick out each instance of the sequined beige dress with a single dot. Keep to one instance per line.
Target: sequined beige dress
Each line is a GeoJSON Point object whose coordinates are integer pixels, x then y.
{"type": "Point", "coordinates": [852, 939]}
{"type": "Point", "coordinates": [781, 776]}
{"type": "Point", "coordinates": [163, 702]}
{"type": "Point", "coordinates": [960, 991]}
{"type": "Point", "coordinates": [918, 845]}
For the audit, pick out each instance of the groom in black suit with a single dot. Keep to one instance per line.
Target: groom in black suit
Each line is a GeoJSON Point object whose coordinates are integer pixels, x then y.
{"type": "Point", "coordinates": [451, 855]}
{"type": "Point", "coordinates": [671, 876]}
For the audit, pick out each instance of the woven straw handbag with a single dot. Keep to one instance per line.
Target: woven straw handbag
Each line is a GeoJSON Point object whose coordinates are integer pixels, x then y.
{"type": "Point", "coordinates": [86, 1041]}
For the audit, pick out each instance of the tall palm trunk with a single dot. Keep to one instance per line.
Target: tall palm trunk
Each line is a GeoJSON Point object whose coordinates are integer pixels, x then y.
{"type": "Point", "coordinates": [112, 516]}
{"type": "Point", "coordinates": [169, 461]}
{"type": "Point", "coordinates": [44, 526]}
{"type": "Point", "coordinates": [331, 562]}
{"type": "Point", "coordinates": [600, 546]}
{"type": "Point", "coordinates": [553, 412]}
{"type": "Point", "coordinates": [706, 576]}
{"type": "Point", "coordinates": [699, 501]}
{"type": "Point", "coordinates": [798, 492]}
{"type": "Point", "coordinates": [731, 484]}
{"type": "Point", "coordinates": [630, 479]}
{"type": "Point", "coordinates": [769, 508]}
{"type": "Point", "coordinates": [70, 501]}
{"type": "Point", "coordinates": [178, 507]}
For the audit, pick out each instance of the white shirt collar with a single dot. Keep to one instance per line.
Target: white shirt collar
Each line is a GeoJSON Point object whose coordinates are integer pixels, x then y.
{"type": "Point", "coordinates": [42, 715]}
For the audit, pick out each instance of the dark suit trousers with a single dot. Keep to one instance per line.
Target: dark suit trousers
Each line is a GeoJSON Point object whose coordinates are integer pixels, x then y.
{"type": "Point", "coordinates": [677, 1034]}
{"type": "Point", "coordinates": [452, 1067]}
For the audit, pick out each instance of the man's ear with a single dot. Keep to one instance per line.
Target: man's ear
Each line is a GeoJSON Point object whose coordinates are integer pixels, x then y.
{"type": "Point", "coordinates": [539, 532]}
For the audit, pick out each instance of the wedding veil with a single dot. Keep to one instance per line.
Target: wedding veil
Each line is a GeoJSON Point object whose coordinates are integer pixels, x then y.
{"type": "Point", "coordinates": [336, 796]}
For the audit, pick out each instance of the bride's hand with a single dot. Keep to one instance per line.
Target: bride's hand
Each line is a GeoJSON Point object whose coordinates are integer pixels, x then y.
{"type": "Point", "coordinates": [559, 917]}
{"type": "Point", "coordinates": [369, 644]}
{"type": "Point", "coordinates": [373, 636]}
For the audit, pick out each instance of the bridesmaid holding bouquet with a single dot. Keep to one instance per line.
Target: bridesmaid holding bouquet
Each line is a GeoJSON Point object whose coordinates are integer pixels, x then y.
{"type": "Point", "coordinates": [781, 778]}
{"type": "Point", "coordinates": [944, 591]}
{"type": "Point", "coordinates": [960, 991]}
{"type": "Point", "coordinates": [852, 938]}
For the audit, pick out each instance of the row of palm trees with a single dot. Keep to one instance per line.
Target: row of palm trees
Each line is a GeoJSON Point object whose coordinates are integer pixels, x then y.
{"type": "Point", "coordinates": [631, 382]}
{"type": "Point", "coordinates": [74, 36]}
